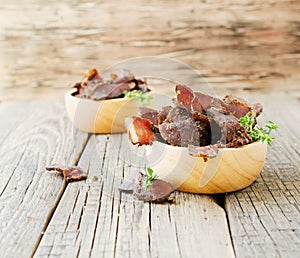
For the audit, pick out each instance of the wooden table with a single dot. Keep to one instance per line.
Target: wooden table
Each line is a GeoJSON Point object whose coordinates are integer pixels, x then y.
{"type": "Point", "coordinates": [42, 216]}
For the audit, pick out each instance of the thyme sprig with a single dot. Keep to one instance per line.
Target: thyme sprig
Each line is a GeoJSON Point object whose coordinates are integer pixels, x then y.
{"type": "Point", "coordinates": [258, 133]}
{"type": "Point", "coordinates": [139, 96]}
{"type": "Point", "coordinates": [148, 181]}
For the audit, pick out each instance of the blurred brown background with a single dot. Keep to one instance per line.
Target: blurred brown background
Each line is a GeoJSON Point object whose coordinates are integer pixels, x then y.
{"type": "Point", "coordinates": [240, 46]}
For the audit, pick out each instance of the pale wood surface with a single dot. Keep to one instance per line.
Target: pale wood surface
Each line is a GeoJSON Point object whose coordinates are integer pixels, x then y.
{"type": "Point", "coordinates": [43, 217]}
{"type": "Point", "coordinates": [32, 135]}
{"type": "Point", "coordinates": [94, 219]}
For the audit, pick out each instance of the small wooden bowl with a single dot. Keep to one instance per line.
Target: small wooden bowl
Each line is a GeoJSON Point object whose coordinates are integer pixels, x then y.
{"type": "Point", "coordinates": [105, 116]}
{"type": "Point", "coordinates": [231, 170]}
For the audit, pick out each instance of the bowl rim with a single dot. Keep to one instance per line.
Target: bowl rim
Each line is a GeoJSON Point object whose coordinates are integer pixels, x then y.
{"type": "Point", "coordinates": [226, 149]}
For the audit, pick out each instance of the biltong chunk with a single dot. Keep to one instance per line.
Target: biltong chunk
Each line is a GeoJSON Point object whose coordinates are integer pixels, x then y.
{"type": "Point", "coordinates": [179, 128]}
{"type": "Point", "coordinates": [70, 173]}
{"type": "Point", "coordinates": [149, 114]}
{"type": "Point", "coordinates": [140, 131]}
{"type": "Point", "coordinates": [186, 97]}
{"type": "Point", "coordinates": [239, 107]}
{"type": "Point", "coordinates": [163, 113]}
{"type": "Point", "coordinates": [158, 191]}
{"type": "Point", "coordinates": [233, 134]}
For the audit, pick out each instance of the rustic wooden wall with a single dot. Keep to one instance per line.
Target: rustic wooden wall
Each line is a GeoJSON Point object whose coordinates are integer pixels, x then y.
{"type": "Point", "coordinates": [238, 45]}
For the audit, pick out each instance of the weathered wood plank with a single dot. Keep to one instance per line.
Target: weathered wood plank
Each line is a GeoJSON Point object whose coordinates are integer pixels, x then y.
{"type": "Point", "coordinates": [27, 193]}
{"type": "Point", "coordinates": [11, 115]}
{"type": "Point", "coordinates": [89, 211]}
{"type": "Point", "coordinates": [265, 217]}
{"type": "Point", "coordinates": [240, 44]}
{"type": "Point", "coordinates": [94, 219]}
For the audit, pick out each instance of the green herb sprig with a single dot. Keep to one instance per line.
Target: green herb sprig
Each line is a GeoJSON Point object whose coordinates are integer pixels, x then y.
{"type": "Point", "coordinates": [148, 181]}
{"type": "Point", "coordinates": [139, 96]}
{"type": "Point", "coordinates": [258, 133]}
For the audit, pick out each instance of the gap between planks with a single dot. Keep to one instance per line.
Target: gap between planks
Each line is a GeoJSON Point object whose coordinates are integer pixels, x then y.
{"type": "Point", "coordinates": [34, 136]}
{"type": "Point", "coordinates": [59, 196]}
{"type": "Point", "coordinates": [103, 222]}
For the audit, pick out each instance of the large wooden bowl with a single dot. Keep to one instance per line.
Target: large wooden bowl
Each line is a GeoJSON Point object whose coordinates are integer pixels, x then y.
{"type": "Point", "coordinates": [232, 169]}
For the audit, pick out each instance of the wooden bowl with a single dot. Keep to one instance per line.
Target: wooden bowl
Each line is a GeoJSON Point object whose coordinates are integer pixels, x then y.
{"type": "Point", "coordinates": [105, 116]}
{"type": "Point", "coordinates": [231, 170]}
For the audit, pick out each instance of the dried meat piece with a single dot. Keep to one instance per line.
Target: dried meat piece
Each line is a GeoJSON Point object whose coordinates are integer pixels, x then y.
{"type": "Point", "coordinates": [205, 100]}
{"type": "Point", "coordinates": [140, 131]}
{"type": "Point", "coordinates": [186, 97]}
{"type": "Point", "coordinates": [239, 107]}
{"type": "Point", "coordinates": [70, 173]}
{"type": "Point", "coordinates": [91, 75]}
{"type": "Point", "coordinates": [163, 113]}
{"type": "Point", "coordinates": [149, 114]}
{"type": "Point", "coordinates": [127, 185]}
{"type": "Point", "coordinates": [209, 151]}
{"type": "Point", "coordinates": [233, 134]}
{"type": "Point", "coordinates": [204, 127]}
{"type": "Point", "coordinates": [179, 128]}
{"type": "Point", "coordinates": [158, 191]}
{"type": "Point", "coordinates": [256, 109]}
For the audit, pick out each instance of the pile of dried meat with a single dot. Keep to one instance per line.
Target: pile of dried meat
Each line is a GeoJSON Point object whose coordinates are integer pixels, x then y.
{"type": "Point", "coordinates": [200, 122]}
{"type": "Point", "coordinates": [94, 87]}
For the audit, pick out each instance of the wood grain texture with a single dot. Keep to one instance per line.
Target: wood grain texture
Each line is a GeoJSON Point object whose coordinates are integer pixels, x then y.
{"type": "Point", "coordinates": [231, 170]}
{"type": "Point", "coordinates": [265, 217]}
{"type": "Point", "coordinates": [38, 135]}
{"type": "Point", "coordinates": [94, 220]}
{"type": "Point", "coordinates": [238, 45]}
{"type": "Point", "coordinates": [104, 116]}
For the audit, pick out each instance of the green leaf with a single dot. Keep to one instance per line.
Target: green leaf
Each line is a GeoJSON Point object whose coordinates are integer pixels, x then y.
{"type": "Point", "coordinates": [148, 181]}
{"type": "Point", "coordinates": [150, 171]}
{"type": "Point", "coordinates": [258, 133]}
{"type": "Point", "coordinates": [139, 96]}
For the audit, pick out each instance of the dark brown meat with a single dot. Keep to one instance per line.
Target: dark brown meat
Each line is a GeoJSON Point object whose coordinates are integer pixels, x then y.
{"type": "Point", "coordinates": [232, 133]}
{"type": "Point", "coordinates": [149, 114]}
{"type": "Point", "coordinates": [199, 102]}
{"type": "Point", "coordinates": [204, 128]}
{"type": "Point", "coordinates": [205, 100]}
{"type": "Point", "coordinates": [239, 107]}
{"type": "Point", "coordinates": [186, 97]}
{"type": "Point", "coordinates": [163, 113]}
{"type": "Point", "coordinates": [179, 128]}
{"type": "Point", "coordinates": [159, 191]}
{"type": "Point", "coordinates": [70, 173]}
